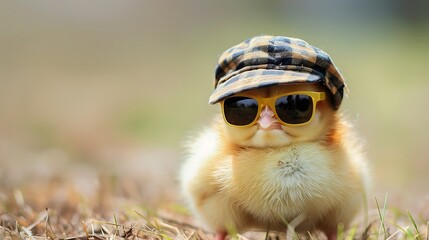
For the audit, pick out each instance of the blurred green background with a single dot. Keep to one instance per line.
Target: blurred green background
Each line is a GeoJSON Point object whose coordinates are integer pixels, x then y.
{"type": "Point", "coordinates": [115, 87]}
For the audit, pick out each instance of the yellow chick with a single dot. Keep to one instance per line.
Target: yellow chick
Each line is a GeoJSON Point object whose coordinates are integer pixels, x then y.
{"type": "Point", "coordinates": [279, 156]}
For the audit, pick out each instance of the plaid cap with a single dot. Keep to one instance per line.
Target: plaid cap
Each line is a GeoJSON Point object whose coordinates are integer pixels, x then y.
{"type": "Point", "coordinates": [264, 61]}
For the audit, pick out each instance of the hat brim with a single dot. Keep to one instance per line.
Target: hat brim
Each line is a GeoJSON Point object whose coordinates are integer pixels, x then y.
{"type": "Point", "coordinates": [259, 78]}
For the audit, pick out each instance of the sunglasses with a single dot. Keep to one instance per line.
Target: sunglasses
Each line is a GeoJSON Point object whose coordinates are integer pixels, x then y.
{"type": "Point", "coordinates": [293, 108]}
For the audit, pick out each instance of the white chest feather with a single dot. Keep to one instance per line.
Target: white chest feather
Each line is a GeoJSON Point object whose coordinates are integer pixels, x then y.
{"type": "Point", "coordinates": [286, 182]}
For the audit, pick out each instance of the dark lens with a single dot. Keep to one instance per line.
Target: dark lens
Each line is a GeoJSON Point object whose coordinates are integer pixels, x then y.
{"type": "Point", "coordinates": [294, 109]}
{"type": "Point", "coordinates": [240, 110]}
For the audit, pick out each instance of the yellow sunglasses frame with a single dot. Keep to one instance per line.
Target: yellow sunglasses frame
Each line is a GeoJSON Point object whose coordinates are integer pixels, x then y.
{"type": "Point", "coordinates": [271, 101]}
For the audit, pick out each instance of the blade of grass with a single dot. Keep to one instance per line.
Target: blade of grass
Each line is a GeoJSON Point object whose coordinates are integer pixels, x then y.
{"type": "Point", "coordinates": [92, 227]}
{"type": "Point", "coordinates": [104, 230]}
{"type": "Point", "coordinates": [165, 236]}
{"type": "Point", "coordinates": [366, 232]}
{"type": "Point", "coordinates": [231, 229]}
{"type": "Point", "coordinates": [382, 215]}
{"type": "Point", "coordinates": [268, 231]}
{"type": "Point", "coordinates": [404, 230]}
{"type": "Point", "coordinates": [351, 234]}
{"type": "Point", "coordinates": [411, 234]}
{"type": "Point", "coordinates": [427, 230]}
{"type": "Point", "coordinates": [177, 222]}
{"type": "Point", "coordinates": [340, 231]}
{"type": "Point", "coordinates": [154, 226]}
{"type": "Point", "coordinates": [311, 236]}
{"type": "Point", "coordinates": [241, 237]}
{"type": "Point", "coordinates": [149, 223]}
{"type": "Point", "coordinates": [116, 225]}
{"type": "Point", "coordinates": [84, 229]}
{"type": "Point", "coordinates": [419, 237]}
{"type": "Point", "coordinates": [291, 233]}
{"type": "Point", "coordinates": [366, 209]}
{"type": "Point", "coordinates": [284, 221]}
{"type": "Point", "coordinates": [28, 233]}
{"type": "Point", "coordinates": [391, 236]}
{"type": "Point", "coordinates": [48, 228]}
{"type": "Point", "coordinates": [190, 236]}
{"type": "Point", "coordinates": [42, 218]}
{"type": "Point", "coordinates": [172, 229]}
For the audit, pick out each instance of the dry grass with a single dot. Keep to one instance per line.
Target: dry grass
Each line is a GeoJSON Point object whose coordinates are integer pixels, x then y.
{"type": "Point", "coordinates": [20, 220]}
{"type": "Point", "coordinates": [71, 218]}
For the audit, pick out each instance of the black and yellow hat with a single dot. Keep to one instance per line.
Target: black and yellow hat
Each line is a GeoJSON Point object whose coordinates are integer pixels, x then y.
{"type": "Point", "coordinates": [264, 61]}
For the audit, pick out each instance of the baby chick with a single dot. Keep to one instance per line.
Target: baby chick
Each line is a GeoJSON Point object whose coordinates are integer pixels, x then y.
{"type": "Point", "coordinates": [280, 156]}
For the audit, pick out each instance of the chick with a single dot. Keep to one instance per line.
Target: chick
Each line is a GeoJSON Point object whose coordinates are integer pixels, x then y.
{"type": "Point", "coordinates": [271, 172]}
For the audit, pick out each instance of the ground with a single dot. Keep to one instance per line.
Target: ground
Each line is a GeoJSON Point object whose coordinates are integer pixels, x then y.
{"type": "Point", "coordinates": [50, 195]}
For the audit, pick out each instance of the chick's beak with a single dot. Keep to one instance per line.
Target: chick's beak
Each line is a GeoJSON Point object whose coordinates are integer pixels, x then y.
{"type": "Point", "coordinates": [267, 119]}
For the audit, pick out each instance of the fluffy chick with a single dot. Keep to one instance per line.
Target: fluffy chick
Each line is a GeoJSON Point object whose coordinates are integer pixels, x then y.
{"type": "Point", "coordinates": [307, 178]}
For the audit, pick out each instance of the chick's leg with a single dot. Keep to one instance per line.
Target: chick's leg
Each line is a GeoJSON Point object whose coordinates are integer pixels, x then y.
{"type": "Point", "coordinates": [332, 236]}
{"type": "Point", "coordinates": [220, 235]}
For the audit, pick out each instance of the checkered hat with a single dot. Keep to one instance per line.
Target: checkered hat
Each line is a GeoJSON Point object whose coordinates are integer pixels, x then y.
{"type": "Point", "coordinates": [272, 60]}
